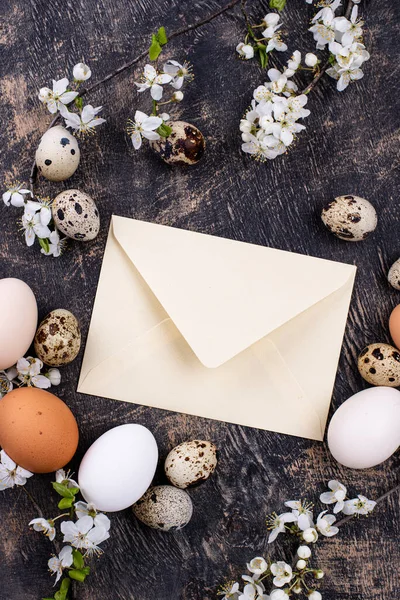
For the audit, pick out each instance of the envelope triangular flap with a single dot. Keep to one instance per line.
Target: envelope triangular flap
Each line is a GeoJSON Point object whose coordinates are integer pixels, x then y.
{"type": "Point", "coordinates": [224, 295]}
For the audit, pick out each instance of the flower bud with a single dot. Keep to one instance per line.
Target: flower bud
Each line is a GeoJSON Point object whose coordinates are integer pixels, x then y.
{"type": "Point", "coordinates": [297, 589]}
{"type": "Point", "coordinates": [301, 564]}
{"type": "Point", "coordinates": [81, 72]}
{"type": "Point", "coordinates": [177, 97]}
{"type": "Point", "coordinates": [44, 94]}
{"type": "Point", "coordinates": [311, 60]}
{"type": "Point", "coordinates": [319, 574]}
{"type": "Point", "coordinates": [310, 535]}
{"type": "Point", "coordinates": [315, 596]}
{"type": "Point", "coordinates": [304, 552]}
{"type": "Point", "coordinates": [278, 595]}
{"type": "Point", "coordinates": [54, 376]}
{"type": "Point", "coordinates": [246, 51]}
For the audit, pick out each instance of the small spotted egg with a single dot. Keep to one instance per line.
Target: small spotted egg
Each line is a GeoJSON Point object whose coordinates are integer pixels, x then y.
{"type": "Point", "coordinates": [164, 507]}
{"type": "Point", "coordinates": [350, 218]}
{"type": "Point", "coordinates": [184, 146]}
{"type": "Point", "coordinates": [190, 463]}
{"type": "Point", "coordinates": [379, 364]}
{"type": "Point", "coordinates": [76, 215]}
{"type": "Point", "coordinates": [57, 156]}
{"type": "Point", "coordinates": [58, 339]}
{"type": "Point", "coordinates": [394, 275]}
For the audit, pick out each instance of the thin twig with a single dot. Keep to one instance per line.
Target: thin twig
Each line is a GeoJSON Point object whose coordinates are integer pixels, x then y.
{"type": "Point", "coordinates": [128, 65]}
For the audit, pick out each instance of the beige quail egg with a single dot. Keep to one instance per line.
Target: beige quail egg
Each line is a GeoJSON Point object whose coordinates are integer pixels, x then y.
{"type": "Point", "coordinates": [190, 463]}
{"type": "Point", "coordinates": [164, 507]}
{"type": "Point", "coordinates": [57, 156]}
{"type": "Point", "coordinates": [58, 339]}
{"type": "Point", "coordinates": [76, 215]}
{"type": "Point", "coordinates": [350, 218]}
{"type": "Point", "coordinates": [394, 275]}
{"type": "Point", "coordinates": [184, 146]}
{"type": "Point", "coordinates": [379, 364]}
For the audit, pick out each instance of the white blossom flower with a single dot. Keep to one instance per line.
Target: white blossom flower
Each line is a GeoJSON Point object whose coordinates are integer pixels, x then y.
{"type": "Point", "coordinates": [63, 477]}
{"type": "Point", "coordinates": [302, 511]}
{"type": "Point", "coordinates": [257, 565]}
{"type": "Point", "coordinates": [311, 59]}
{"type": "Point", "coordinates": [42, 207]}
{"type": "Point", "coordinates": [253, 590]}
{"type": "Point", "coordinates": [276, 523]}
{"type": "Point", "coordinates": [57, 97]}
{"type": "Point", "coordinates": [86, 121]}
{"type": "Point", "coordinates": [153, 82]}
{"type": "Point", "coordinates": [54, 375]}
{"type": "Point", "coordinates": [81, 72]}
{"type": "Point", "coordinates": [315, 596]}
{"type": "Point", "coordinates": [345, 75]}
{"type": "Point", "coordinates": [83, 509]}
{"type": "Point", "coordinates": [6, 384]}
{"type": "Point", "coordinates": [143, 126]}
{"type": "Point", "coordinates": [278, 595]}
{"type": "Point", "coordinates": [84, 534]}
{"type": "Point", "coordinates": [58, 563]}
{"type": "Point", "coordinates": [351, 30]}
{"type": "Point", "coordinates": [178, 73]}
{"type": "Point", "coordinates": [229, 591]}
{"type": "Point", "coordinates": [271, 33]}
{"type": "Point", "coordinates": [33, 227]}
{"type": "Point", "coordinates": [45, 526]}
{"type": "Point", "coordinates": [293, 64]}
{"type": "Point", "coordinates": [325, 524]}
{"type": "Point", "coordinates": [282, 573]}
{"type": "Point", "coordinates": [323, 28]}
{"type": "Point", "coordinates": [336, 496]}
{"type": "Point", "coordinates": [56, 248]}
{"type": "Point", "coordinates": [358, 506]}
{"type": "Point", "coordinates": [10, 473]}
{"type": "Point", "coordinates": [310, 535]}
{"type": "Point", "coordinates": [15, 195]}
{"type": "Point", "coordinates": [246, 51]}
{"type": "Point", "coordinates": [29, 373]}
{"type": "Point", "coordinates": [304, 552]}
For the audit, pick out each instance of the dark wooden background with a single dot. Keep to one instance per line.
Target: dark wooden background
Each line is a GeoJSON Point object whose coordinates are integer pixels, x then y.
{"type": "Point", "coordinates": [349, 147]}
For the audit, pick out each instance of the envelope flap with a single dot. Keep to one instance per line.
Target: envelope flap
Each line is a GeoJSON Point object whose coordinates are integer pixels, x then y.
{"type": "Point", "coordinates": [224, 295]}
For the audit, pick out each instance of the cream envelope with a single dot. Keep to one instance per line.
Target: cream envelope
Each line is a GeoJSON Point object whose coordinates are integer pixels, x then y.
{"type": "Point", "coordinates": [216, 328]}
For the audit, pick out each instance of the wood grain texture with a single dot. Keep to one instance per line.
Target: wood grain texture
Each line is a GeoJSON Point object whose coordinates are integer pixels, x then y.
{"type": "Point", "coordinates": [350, 146]}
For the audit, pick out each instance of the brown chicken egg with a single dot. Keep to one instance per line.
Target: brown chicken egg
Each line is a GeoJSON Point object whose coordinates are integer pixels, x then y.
{"type": "Point", "coordinates": [37, 430]}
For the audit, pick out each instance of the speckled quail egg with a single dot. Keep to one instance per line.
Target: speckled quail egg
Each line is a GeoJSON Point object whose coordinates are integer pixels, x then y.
{"type": "Point", "coordinates": [58, 339]}
{"type": "Point", "coordinates": [184, 146]}
{"type": "Point", "coordinates": [57, 156]}
{"type": "Point", "coordinates": [350, 218]}
{"type": "Point", "coordinates": [394, 275]}
{"type": "Point", "coordinates": [76, 215]}
{"type": "Point", "coordinates": [190, 463]}
{"type": "Point", "coordinates": [379, 364]}
{"type": "Point", "coordinates": [164, 507]}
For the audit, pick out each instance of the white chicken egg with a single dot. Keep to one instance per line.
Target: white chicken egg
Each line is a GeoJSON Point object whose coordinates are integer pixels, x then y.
{"type": "Point", "coordinates": [365, 430]}
{"type": "Point", "coordinates": [119, 467]}
{"type": "Point", "coordinates": [18, 320]}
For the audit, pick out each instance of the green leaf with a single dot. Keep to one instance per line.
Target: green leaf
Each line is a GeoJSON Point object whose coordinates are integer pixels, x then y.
{"type": "Point", "coordinates": [45, 244]}
{"type": "Point", "coordinates": [66, 503]}
{"type": "Point", "coordinates": [161, 36]}
{"type": "Point", "coordinates": [277, 4]}
{"type": "Point", "coordinates": [79, 102]}
{"type": "Point", "coordinates": [79, 563]}
{"type": "Point", "coordinates": [155, 48]}
{"type": "Point", "coordinates": [86, 570]}
{"type": "Point", "coordinates": [63, 491]}
{"type": "Point", "coordinates": [74, 490]}
{"type": "Point", "coordinates": [164, 130]}
{"type": "Point", "coordinates": [262, 55]}
{"type": "Point", "coordinates": [332, 59]}
{"type": "Point", "coordinates": [77, 575]}
{"type": "Point", "coordinates": [63, 591]}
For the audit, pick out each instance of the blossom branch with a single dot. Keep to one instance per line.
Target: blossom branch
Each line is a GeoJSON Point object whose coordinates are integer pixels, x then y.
{"type": "Point", "coordinates": [378, 501]}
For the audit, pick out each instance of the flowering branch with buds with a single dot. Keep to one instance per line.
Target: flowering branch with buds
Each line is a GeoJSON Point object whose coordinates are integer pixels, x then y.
{"type": "Point", "coordinates": [299, 578]}
{"type": "Point", "coordinates": [153, 127]}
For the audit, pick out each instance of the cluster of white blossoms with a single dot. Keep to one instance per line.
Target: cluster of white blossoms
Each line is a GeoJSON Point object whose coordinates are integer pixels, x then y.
{"type": "Point", "coordinates": [10, 473]}
{"type": "Point", "coordinates": [300, 577]}
{"type": "Point", "coordinates": [344, 39]}
{"type": "Point", "coordinates": [270, 38]}
{"type": "Point", "coordinates": [82, 536]}
{"type": "Point", "coordinates": [153, 127]}
{"type": "Point", "coordinates": [27, 372]}
{"type": "Point", "coordinates": [63, 94]}
{"type": "Point", "coordinates": [36, 221]}
{"type": "Point", "coordinates": [271, 124]}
